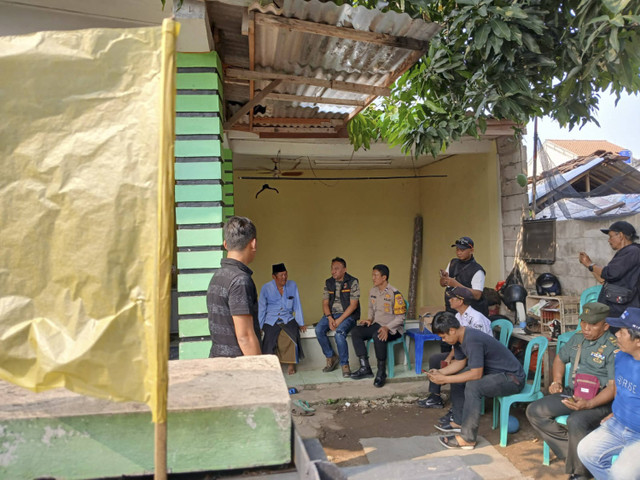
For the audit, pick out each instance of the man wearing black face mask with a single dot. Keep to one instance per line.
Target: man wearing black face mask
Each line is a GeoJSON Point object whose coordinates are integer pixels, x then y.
{"type": "Point", "coordinates": [464, 271]}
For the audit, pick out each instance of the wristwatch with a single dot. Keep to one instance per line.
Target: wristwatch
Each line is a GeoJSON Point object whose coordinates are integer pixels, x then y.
{"type": "Point", "coordinates": [590, 267]}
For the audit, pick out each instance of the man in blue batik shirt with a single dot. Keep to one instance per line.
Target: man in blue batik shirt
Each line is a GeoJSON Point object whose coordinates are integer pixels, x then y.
{"type": "Point", "coordinates": [280, 317]}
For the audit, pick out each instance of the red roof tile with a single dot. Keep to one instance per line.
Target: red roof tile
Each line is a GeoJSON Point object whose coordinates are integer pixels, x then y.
{"type": "Point", "coordinates": [586, 147]}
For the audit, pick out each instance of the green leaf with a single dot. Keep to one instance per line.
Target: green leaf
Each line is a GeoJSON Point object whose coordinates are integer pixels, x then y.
{"type": "Point", "coordinates": [530, 43]}
{"type": "Point", "coordinates": [481, 36]}
{"type": "Point", "coordinates": [500, 29]}
{"type": "Point", "coordinates": [613, 40]}
{"type": "Point", "coordinates": [615, 6]}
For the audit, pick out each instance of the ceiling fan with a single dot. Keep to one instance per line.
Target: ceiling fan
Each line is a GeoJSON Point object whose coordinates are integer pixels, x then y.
{"type": "Point", "coordinates": [277, 172]}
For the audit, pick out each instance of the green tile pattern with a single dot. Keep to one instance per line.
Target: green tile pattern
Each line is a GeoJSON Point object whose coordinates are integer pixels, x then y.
{"type": "Point", "coordinates": [193, 282]}
{"type": "Point", "coordinates": [207, 259]}
{"type": "Point", "coordinates": [194, 327]}
{"type": "Point", "coordinates": [204, 199]}
{"type": "Point", "coordinates": [200, 237]}
{"type": "Point", "coordinates": [198, 193]}
{"type": "Point", "coordinates": [192, 350]}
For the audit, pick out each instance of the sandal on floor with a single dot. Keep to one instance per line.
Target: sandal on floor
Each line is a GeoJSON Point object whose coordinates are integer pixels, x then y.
{"type": "Point", "coordinates": [301, 413]}
{"type": "Point", "coordinates": [452, 443]}
{"type": "Point", "coordinates": [304, 405]}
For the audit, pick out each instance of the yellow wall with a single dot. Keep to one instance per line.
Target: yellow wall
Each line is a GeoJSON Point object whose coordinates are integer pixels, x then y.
{"type": "Point", "coordinates": [368, 222]}
{"type": "Point", "coordinates": [466, 203]}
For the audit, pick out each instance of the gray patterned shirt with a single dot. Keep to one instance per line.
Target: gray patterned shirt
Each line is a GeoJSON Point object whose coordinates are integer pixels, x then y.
{"type": "Point", "coordinates": [231, 292]}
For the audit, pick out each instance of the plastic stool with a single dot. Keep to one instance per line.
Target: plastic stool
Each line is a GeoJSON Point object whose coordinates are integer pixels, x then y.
{"type": "Point", "coordinates": [419, 338]}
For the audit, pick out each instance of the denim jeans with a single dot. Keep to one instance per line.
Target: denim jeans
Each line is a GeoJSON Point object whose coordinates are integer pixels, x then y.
{"type": "Point", "coordinates": [341, 338]}
{"type": "Point", "coordinates": [611, 438]}
{"type": "Point", "coordinates": [467, 399]}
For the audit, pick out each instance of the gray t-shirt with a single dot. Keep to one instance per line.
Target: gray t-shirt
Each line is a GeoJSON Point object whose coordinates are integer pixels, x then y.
{"type": "Point", "coordinates": [484, 351]}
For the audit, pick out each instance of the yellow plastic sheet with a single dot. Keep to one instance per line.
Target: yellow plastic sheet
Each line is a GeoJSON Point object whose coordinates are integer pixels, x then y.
{"type": "Point", "coordinates": [86, 211]}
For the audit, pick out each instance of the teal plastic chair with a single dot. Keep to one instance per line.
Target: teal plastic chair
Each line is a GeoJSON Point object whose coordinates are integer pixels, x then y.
{"type": "Point", "coordinates": [506, 329]}
{"type": "Point", "coordinates": [589, 295]}
{"type": "Point", "coordinates": [391, 356]}
{"type": "Point", "coordinates": [530, 393]}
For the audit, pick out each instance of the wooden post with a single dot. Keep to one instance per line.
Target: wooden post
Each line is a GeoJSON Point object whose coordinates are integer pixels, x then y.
{"type": "Point", "coordinates": [415, 263]}
{"type": "Point", "coordinates": [160, 451]}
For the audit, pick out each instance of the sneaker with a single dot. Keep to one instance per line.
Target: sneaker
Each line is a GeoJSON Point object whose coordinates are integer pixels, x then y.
{"type": "Point", "coordinates": [346, 371]}
{"type": "Point", "coordinates": [332, 363]}
{"type": "Point", "coordinates": [446, 418]}
{"type": "Point", "coordinates": [447, 428]}
{"type": "Point", "coordinates": [432, 401]}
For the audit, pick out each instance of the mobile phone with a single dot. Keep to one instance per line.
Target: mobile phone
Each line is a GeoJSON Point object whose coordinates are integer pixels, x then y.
{"type": "Point", "coordinates": [564, 395]}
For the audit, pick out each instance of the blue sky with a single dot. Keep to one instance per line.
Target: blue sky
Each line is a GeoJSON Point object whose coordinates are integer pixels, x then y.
{"type": "Point", "coordinates": [618, 124]}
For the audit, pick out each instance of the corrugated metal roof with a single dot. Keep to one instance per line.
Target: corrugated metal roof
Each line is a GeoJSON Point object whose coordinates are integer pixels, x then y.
{"type": "Point", "coordinates": [327, 56]}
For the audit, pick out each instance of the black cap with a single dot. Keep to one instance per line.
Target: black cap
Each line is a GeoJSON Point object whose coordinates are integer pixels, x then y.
{"type": "Point", "coordinates": [277, 268]}
{"type": "Point", "coordinates": [463, 243]}
{"type": "Point", "coordinates": [622, 227]}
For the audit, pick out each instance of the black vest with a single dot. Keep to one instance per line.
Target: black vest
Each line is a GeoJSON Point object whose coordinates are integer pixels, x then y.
{"type": "Point", "coordinates": [345, 294]}
{"type": "Point", "coordinates": [463, 272]}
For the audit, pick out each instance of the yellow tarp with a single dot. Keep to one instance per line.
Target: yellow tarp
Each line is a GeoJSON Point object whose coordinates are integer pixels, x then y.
{"type": "Point", "coordinates": [86, 211]}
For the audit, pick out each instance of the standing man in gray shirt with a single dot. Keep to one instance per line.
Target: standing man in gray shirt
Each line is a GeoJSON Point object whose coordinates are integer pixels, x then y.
{"type": "Point", "coordinates": [232, 298]}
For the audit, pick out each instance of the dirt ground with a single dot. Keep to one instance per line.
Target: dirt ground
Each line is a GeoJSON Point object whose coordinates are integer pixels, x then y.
{"type": "Point", "coordinates": [339, 424]}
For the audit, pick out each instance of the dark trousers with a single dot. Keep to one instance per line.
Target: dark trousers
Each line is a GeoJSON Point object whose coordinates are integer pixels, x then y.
{"type": "Point", "coordinates": [434, 362]}
{"type": "Point", "coordinates": [467, 399]}
{"type": "Point", "coordinates": [563, 440]}
{"type": "Point", "coordinates": [360, 334]}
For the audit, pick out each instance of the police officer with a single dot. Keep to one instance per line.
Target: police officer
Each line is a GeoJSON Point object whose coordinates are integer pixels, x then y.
{"type": "Point", "coordinates": [464, 271]}
{"type": "Point", "coordinates": [384, 324]}
{"type": "Point", "coordinates": [593, 349]}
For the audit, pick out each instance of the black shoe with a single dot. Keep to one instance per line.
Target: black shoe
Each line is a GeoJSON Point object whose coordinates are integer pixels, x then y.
{"type": "Point", "coordinates": [381, 375]}
{"type": "Point", "coordinates": [447, 428]}
{"type": "Point", "coordinates": [446, 418]}
{"type": "Point", "coordinates": [362, 372]}
{"type": "Point", "coordinates": [432, 401]}
{"type": "Point", "coordinates": [365, 369]}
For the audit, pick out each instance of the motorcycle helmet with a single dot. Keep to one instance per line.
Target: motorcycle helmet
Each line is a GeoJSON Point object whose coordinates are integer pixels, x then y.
{"type": "Point", "coordinates": [548, 284]}
{"type": "Point", "coordinates": [512, 294]}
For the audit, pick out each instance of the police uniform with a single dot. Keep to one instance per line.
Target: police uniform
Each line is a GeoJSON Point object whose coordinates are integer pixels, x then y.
{"type": "Point", "coordinates": [596, 358]}
{"type": "Point", "coordinates": [387, 308]}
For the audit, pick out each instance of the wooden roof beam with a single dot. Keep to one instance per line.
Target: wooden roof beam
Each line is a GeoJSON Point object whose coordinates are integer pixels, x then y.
{"type": "Point", "coordinates": [313, 28]}
{"type": "Point", "coordinates": [251, 103]}
{"type": "Point", "coordinates": [240, 74]}
{"type": "Point", "coordinates": [320, 100]}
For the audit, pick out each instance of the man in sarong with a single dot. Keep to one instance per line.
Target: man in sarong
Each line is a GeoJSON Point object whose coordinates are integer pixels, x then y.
{"type": "Point", "coordinates": [280, 317]}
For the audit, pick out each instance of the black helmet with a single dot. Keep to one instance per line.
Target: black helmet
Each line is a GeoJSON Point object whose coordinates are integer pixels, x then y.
{"type": "Point", "coordinates": [512, 294]}
{"type": "Point", "coordinates": [548, 284]}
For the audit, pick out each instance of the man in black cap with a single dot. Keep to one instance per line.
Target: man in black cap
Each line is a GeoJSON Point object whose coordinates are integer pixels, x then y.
{"type": "Point", "coordinates": [591, 352]}
{"type": "Point", "coordinates": [621, 276]}
{"type": "Point", "coordinates": [464, 271]}
{"type": "Point", "coordinates": [280, 316]}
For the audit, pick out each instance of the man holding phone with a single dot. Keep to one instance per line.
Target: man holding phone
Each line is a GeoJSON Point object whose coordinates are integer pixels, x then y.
{"type": "Point", "coordinates": [588, 395]}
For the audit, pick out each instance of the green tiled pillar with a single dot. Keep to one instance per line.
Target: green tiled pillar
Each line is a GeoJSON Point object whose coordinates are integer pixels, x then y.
{"type": "Point", "coordinates": [204, 193]}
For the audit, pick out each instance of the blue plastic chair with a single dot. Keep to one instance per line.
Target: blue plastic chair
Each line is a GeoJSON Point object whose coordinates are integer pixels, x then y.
{"type": "Point", "coordinates": [530, 393]}
{"type": "Point", "coordinates": [391, 356]}
{"type": "Point", "coordinates": [589, 295]}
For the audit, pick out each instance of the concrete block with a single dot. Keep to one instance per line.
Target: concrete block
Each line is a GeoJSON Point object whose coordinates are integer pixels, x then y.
{"type": "Point", "coordinates": [223, 413]}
